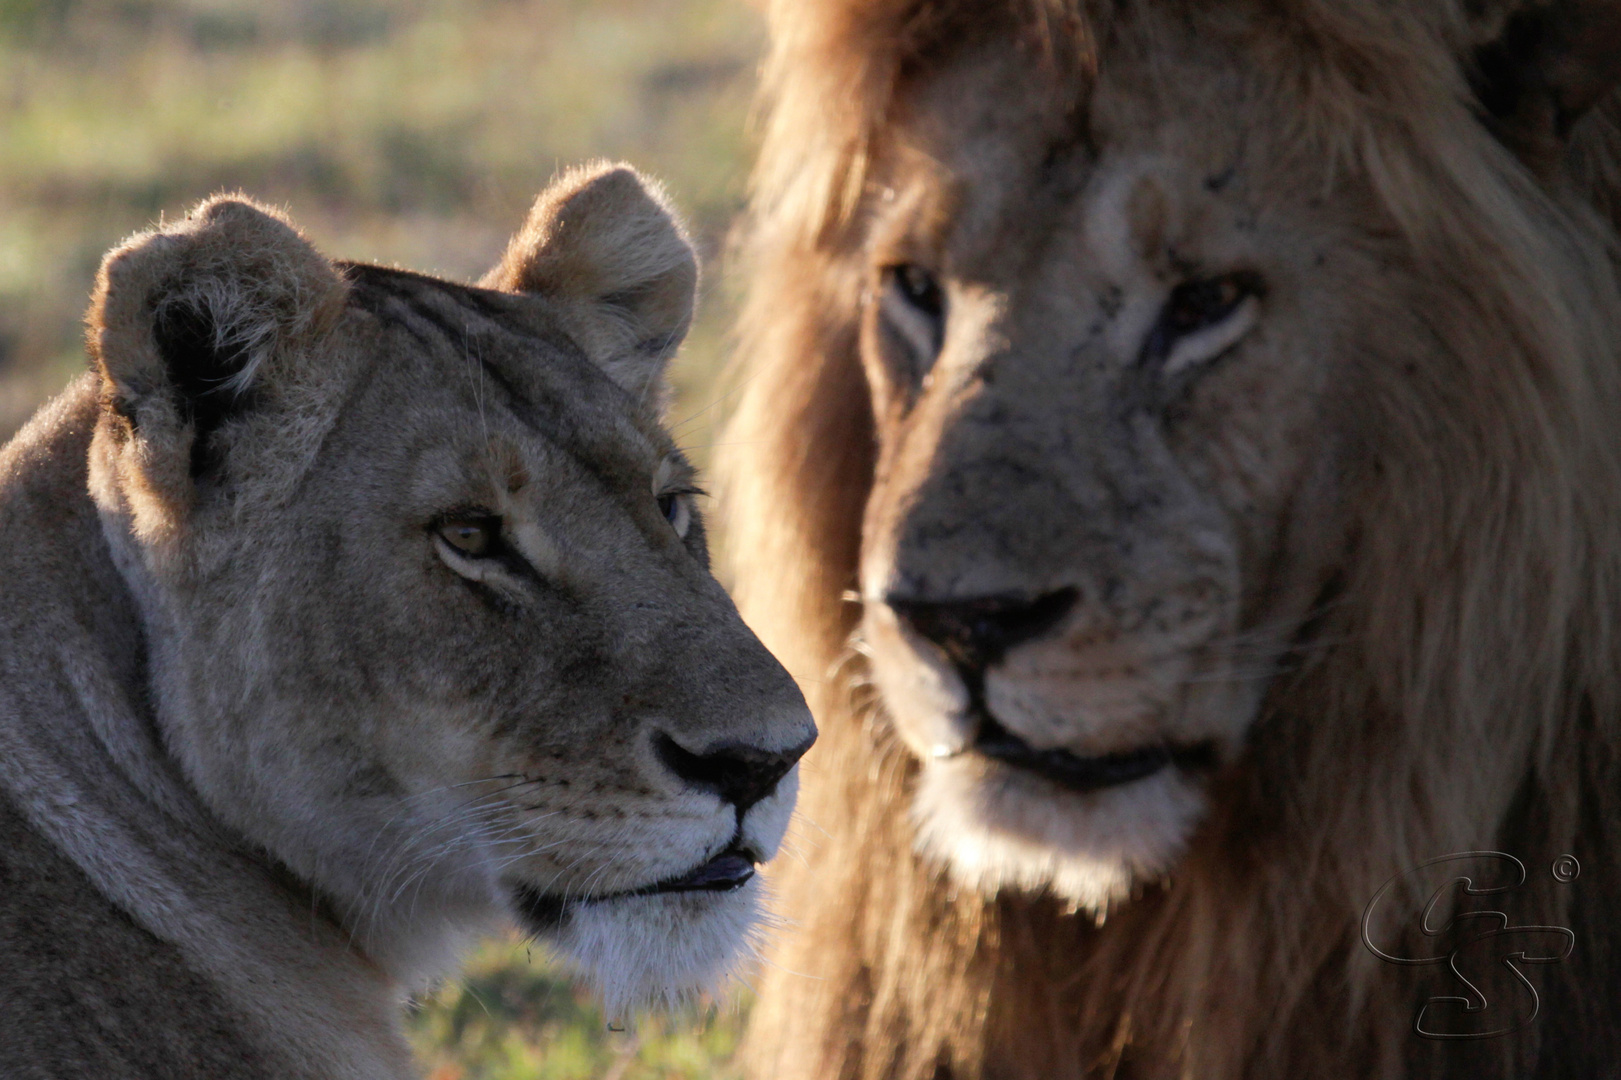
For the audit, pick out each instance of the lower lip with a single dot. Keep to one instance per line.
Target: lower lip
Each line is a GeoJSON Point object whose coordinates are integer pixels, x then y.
{"type": "Point", "coordinates": [729, 870]}
{"type": "Point", "coordinates": [726, 872]}
{"type": "Point", "coordinates": [1087, 774]}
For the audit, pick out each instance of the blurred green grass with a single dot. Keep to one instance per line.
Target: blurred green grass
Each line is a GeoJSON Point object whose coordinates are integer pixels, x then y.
{"type": "Point", "coordinates": [414, 132]}
{"type": "Point", "coordinates": [512, 1016]}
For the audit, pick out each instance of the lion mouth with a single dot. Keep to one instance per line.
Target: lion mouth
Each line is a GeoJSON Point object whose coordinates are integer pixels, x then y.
{"type": "Point", "coordinates": [727, 871]}
{"type": "Point", "coordinates": [1084, 774]}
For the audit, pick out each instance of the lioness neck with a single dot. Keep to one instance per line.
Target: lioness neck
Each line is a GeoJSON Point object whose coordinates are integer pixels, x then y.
{"type": "Point", "coordinates": [104, 833]}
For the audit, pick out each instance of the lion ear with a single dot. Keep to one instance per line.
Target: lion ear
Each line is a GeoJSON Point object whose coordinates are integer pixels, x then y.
{"type": "Point", "coordinates": [1545, 65]}
{"type": "Point", "coordinates": [604, 244]}
{"type": "Point", "coordinates": [189, 320]}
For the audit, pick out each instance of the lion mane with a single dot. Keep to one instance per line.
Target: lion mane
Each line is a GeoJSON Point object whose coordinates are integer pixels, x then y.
{"type": "Point", "coordinates": [1477, 609]}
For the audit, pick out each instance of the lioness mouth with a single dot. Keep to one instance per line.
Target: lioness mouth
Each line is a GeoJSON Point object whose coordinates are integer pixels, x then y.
{"type": "Point", "coordinates": [729, 870]}
{"type": "Point", "coordinates": [725, 872]}
{"type": "Point", "coordinates": [1083, 774]}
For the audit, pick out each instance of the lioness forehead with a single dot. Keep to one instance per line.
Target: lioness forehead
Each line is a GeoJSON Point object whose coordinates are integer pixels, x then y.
{"type": "Point", "coordinates": [506, 353]}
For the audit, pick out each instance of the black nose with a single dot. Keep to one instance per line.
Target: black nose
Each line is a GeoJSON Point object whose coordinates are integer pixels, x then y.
{"type": "Point", "coordinates": [739, 774]}
{"type": "Point", "coordinates": [975, 633]}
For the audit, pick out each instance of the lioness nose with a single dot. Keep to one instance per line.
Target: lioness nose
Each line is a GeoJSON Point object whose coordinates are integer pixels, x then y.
{"type": "Point", "coordinates": [738, 773]}
{"type": "Point", "coordinates": [975, 633]}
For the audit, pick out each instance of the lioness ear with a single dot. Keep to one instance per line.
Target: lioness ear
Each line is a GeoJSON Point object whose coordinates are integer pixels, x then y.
{"type": "Point", "coordinates": [188, 321]}
{"type": "Point", "coordinates": [1545, 64]}
{"type": "Point", "coordinates": [604, 243]}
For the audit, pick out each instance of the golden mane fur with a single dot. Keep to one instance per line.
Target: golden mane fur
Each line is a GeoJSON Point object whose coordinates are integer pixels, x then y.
{"type": "Point", "coordinates": [1500, 538]}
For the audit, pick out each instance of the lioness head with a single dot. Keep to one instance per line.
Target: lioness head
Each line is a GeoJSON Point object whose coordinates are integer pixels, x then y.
{"type": "Point", "coordinates": [1139, 351]}
{"type": "Point", "coordinates": [425, 590]}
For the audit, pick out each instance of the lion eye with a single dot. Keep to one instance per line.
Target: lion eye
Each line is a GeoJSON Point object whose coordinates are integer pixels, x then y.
{"type": "Point", "coordinates": [673, 505]}
{"type": "Point", "coordinates": [1201, 320]}
{"type": "Point", "coordinates": [473, 537]}
{"type": "Point", "coordinates": [920, 289]}
{"type": "Point", "coordinates": [913, 306]}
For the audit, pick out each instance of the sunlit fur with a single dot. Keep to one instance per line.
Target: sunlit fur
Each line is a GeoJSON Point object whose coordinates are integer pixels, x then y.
{"type": "Point", "coordinates": [1453, 687]}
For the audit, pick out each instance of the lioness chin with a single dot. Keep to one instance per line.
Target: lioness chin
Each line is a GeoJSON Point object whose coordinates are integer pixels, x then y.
{"type": "Point", "coordinates": [350, 613]}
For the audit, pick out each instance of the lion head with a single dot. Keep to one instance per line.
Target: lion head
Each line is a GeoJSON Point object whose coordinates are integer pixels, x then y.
{"type": "Point", "coordinates": [426, 593]}
{"type": "Point", "coordinates": [1197, 409]}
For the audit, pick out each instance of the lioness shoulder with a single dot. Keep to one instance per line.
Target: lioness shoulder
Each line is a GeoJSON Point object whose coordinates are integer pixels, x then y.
{"type": "Point", "coordinates": [350, 613]}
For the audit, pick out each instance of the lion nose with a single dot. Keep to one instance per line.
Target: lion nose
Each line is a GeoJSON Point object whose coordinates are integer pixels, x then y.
{"type": "Point", "coordinates": [975, 633]}
{"type": "Point", "coordinates": [738, 773]}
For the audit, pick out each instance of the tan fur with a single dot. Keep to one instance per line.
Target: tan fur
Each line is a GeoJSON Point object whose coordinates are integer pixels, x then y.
{"type": "Point", "coordinates": [284, 746]}
{"type": "Point", "coordinates": [1387, 522]}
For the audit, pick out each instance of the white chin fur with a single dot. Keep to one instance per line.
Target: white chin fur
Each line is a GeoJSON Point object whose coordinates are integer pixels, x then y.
{"type": "Point", "coordinates": [997, 828]}
{"type": "Point", "coordinates": [646, 951]}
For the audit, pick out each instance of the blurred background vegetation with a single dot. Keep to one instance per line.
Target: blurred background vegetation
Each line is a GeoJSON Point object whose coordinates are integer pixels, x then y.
{"type": "Point", "coordinates": [410, 131]}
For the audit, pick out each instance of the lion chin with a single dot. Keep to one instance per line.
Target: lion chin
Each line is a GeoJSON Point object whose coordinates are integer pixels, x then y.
{"type": "Point", "coordinates": [996, 827]}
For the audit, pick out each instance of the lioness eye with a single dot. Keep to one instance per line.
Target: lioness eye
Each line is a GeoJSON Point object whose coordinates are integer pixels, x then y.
{"type": "Point", "coordinates": [1201, 320]}
{"type": "Point", "coordinates": [474, 537]}
{"type": "Point", "coordinates": [1196, 304]}
{"type": "Point", "coordinates": [674, 506]}
{"type": "Point", "coordinates": [913, 306]}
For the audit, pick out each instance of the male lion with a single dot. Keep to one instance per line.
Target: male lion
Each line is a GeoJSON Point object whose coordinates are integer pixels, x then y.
{"type": "Point", "coordinates": [1186, 432]}
{"type": "Point", "coordinates": [349, 612]}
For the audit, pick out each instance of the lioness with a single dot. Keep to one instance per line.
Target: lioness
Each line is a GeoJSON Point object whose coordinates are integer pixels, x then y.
{"type": "Point", "coordinates": [1189, 432]}
{"type": "Point", "coordinates": [349, 612]}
